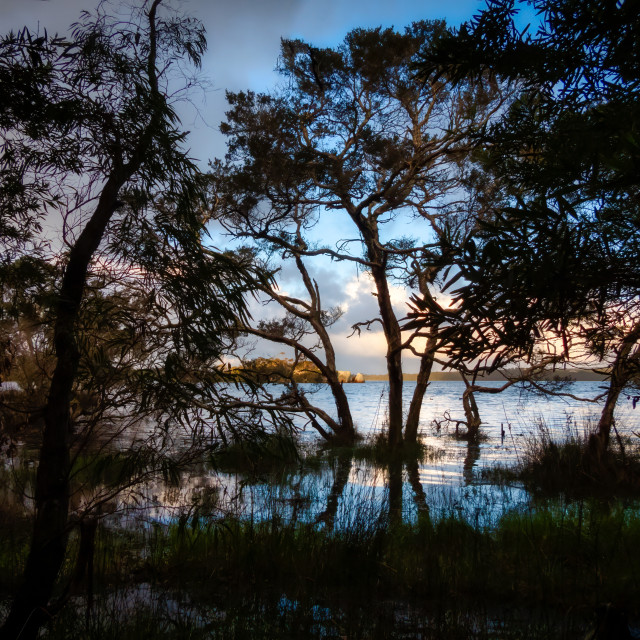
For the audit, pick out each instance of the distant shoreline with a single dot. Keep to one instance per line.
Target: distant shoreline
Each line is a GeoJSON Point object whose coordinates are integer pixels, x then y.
{"type": "Point", "coordinates": [577, 375]}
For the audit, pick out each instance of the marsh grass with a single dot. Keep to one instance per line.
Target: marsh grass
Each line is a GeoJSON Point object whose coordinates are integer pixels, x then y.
{"type": "Point", "coordinates": [279, 571]}
{"type": "Point", "coordinates": [375, 450]}
{"type": "Point", "coordinates": [257, 619]}
{"type": "Point", "coordinates": [272, 453]}
{"type": "Point", "coordinates": [231, 578]}
{"type": "Point", "coordinates": [550, 465]}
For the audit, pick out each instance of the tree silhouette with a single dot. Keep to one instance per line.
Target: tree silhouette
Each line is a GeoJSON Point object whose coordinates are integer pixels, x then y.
{"type": "Point", "coordinates": [141, 309]}
{"type": "Point", "coordinates": [553, 264]}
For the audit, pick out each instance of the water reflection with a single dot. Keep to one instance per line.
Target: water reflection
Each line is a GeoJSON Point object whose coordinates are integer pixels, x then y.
{"type": "Point", "coordinates": [342, 471]}
{"type": "Point", "coordinates": [337, 494]}
{"type": "Point", "coordinates": [473, 455]}
{"type": "Point", "coordinates": [419, 495]}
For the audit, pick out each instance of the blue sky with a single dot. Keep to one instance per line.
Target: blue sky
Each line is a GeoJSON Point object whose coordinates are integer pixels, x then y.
{"type": "Point", "coordinates": [244, 39]}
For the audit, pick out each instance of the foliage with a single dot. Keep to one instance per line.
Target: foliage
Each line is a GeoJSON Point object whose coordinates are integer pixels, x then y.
{"type": "Point", "coordinates": [560, 253]}
{"type": "Point", "coordinates": [355, 131]}
{"type": "Point", "coordinates": [551, 272]}
{"type": "Point", "coordinates": [133, 308]}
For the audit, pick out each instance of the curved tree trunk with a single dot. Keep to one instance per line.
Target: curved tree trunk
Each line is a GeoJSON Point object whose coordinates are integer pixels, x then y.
{"type": "Point", "coordinates": [49, 538]}
{"type": "Point", "coordinates": [620, 375]}
{"type": "Point", "coordinates": [343, 430]}
{"type": "Point", "coordinates": [471, 413]}
{"type": "Point", "coordinates": [347, 432]}
{"type": "Point", "coordinates": [422, 382]}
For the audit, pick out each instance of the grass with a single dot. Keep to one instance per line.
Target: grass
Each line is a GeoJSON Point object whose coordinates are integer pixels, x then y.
{"type": "Point", "coordinates": [278, 572]}
{"type": "Point", "coordinates": [300, 579]}
{"type": "Point", "coordinates": [375, 450]}
{"type": "Point", "coordinates": [551, 467]}
{"type": "Point", "coordinates": [269, 454]}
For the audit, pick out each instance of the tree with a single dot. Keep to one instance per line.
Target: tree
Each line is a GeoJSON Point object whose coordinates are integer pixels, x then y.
{"type": "Point", "coordinates": [355, 131]}
{"type": "Point", "coordinates": [306, 320]}
{"type": "Point", "coordinates": [555, 261]}
{"type": "Point", "coordinates": [141, 310]}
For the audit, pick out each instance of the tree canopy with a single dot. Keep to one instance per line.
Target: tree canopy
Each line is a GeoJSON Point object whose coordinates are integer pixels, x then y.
{"type": "Point", "coordinates": [354, 130]}
{"type": "Point", "coordinates": [556, 259]}
{"type": "Point", "coordinates": [136, 307]}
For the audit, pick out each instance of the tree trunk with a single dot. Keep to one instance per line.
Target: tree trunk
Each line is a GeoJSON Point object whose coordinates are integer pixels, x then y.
{"type": "Point", "coordinates": [471, 413]}
{"type": "Point", "coordinates": [378, 258]}
{"type": "Point", "coordinates": [49, 537]}
{"type": "Point", "coordinates": [599, 441]}
{"type": "Point", "coordinates": [394, 370]}
{"type": "Point", "coordinates": [393, 337]}
{"type": "Point", "coordinates": [422, 382]}
{"type": "Point", "coordinates": [347, 433]}
{"type": "Point", "coordinates": [620, 374]}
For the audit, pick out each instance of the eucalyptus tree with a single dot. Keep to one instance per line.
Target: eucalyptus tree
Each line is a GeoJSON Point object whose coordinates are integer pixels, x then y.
{"type": "Point", "coordinates": [92, 147]}
{"type": "Point", "coordinates": [354, 131]}
{"type": "Point", "coordinates": [555, 261]}
{"type": "Point", "coordinates": [304, 327]}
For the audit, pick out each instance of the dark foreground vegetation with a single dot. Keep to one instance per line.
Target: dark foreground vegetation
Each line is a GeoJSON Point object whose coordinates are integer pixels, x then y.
{"type": "Point", "coordinates": [542, 573]}
{"type": "Point", "coordinates": [568, 465]}
{"type": "Point", "coordinates": [539, 573]}
{"type": "Point", "coordinates": [558, 566]}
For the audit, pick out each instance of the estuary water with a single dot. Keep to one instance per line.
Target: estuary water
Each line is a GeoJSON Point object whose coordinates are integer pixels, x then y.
{"type": "Point", "coordinates": [450, 479]}
{"type": "Point", "coordinates": [509, 418]}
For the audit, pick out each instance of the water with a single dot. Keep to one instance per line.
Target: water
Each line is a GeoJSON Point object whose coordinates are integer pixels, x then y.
{"type": "Point", "coordinates": [368, 404]}
{"type": "Point", "coordinates": [514, 411]}
{"type": "Point", "coordinates": [450, 479]}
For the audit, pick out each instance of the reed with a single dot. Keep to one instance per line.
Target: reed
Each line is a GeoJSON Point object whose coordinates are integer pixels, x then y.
{"type": "Point", "coordinates": [279, 568]}
{"type": "Point", "coordinates": [241, 579]}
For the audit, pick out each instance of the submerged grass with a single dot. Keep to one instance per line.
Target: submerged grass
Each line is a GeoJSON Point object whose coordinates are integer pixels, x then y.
{"type": "Point", "coordinates": [300, 580]}
{"type": "Point", "coordinates": [271, 453]}
{"type": "Point", "coordinates": [375, 450]}
{"type": "Point", "coordinates": [284, 571]}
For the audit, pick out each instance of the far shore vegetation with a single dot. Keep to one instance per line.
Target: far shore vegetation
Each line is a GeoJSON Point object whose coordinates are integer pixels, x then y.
{"type": "Point", "coordinates": [283, 370]}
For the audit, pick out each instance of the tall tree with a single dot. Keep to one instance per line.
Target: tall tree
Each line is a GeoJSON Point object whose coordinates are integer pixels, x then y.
{"type": "Point", "coordinates": [555, 261]}
{"type": "Point", "coordinates": [355, 130]}
{"type": "Point", "coordinates": [91, 142]}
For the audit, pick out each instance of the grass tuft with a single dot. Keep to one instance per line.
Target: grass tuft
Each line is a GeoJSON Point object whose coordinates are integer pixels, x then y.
{"type": "Point", "coordinates": [569, 466]}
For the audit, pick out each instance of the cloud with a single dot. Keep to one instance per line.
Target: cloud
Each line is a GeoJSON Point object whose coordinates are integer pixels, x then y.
{"type": "Point", "coordinates": [365, 351]}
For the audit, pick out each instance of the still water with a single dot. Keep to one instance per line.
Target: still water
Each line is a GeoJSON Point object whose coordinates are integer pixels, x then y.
{"type": "Point", "coordinates": [450, 479]}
